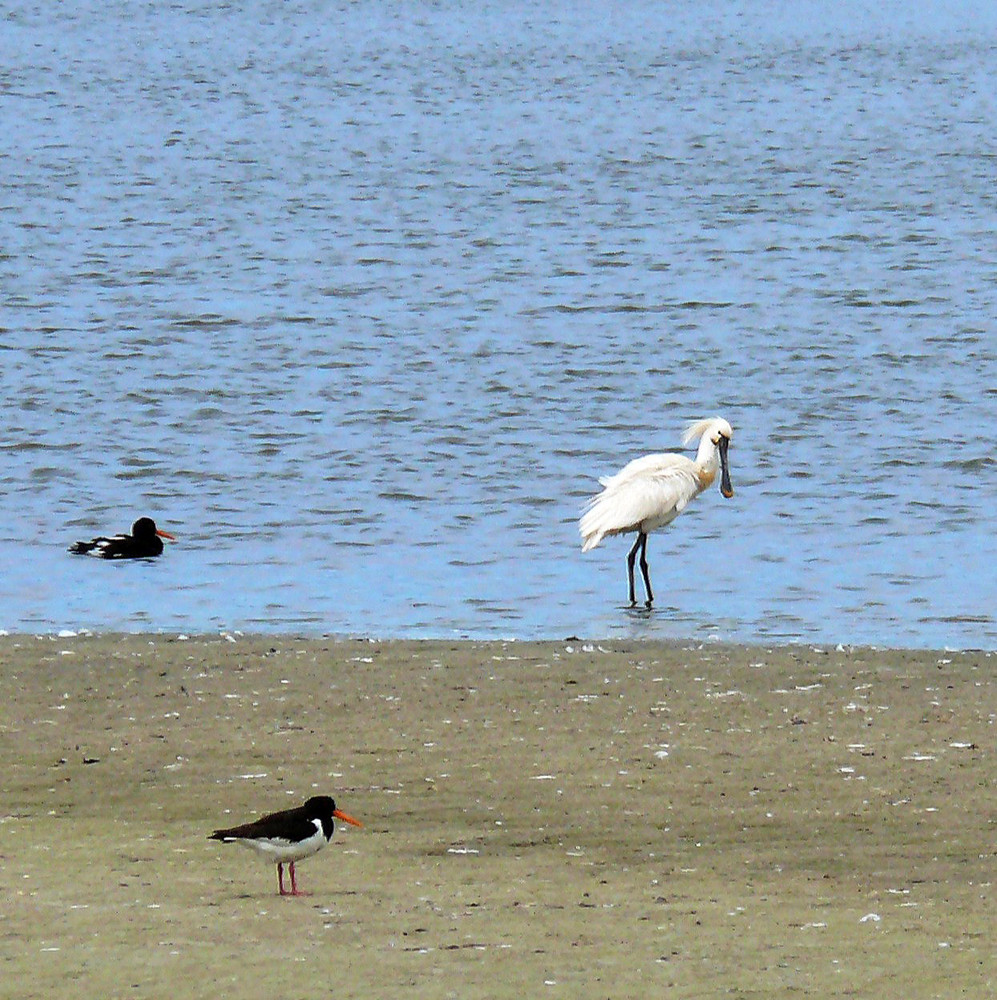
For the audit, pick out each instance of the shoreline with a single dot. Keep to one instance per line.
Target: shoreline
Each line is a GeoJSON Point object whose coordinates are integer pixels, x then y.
{"type": "Point", "coordinates": [578, 817]}
{"type": "Point", "coordinates": [290, 635]}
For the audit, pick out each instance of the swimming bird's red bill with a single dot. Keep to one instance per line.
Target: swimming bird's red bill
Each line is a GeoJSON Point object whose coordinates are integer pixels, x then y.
{"type": "Point", "coordinates": [339, 814]}
{"type": "Point", "coordinates": [165, 534]}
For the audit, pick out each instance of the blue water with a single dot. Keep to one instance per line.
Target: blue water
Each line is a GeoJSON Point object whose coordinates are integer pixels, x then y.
{"type": "Point", "coordinates": [358, 300]}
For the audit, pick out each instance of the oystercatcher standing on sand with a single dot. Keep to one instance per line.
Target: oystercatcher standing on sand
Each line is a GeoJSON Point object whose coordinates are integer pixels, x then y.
{"type": "Point", "coordinates": [144, 541]}
{"type": "Point", "coordinates": [289, 836]}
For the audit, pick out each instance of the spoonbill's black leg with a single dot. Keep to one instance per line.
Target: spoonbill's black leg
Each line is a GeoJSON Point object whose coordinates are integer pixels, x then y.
{"type": "Point", "coordinates": [640, 543]}
{"type": "Point", "coordinates": [644, 572]}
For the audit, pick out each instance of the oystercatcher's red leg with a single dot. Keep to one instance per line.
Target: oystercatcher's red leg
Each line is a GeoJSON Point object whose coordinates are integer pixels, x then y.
{"type": "Point", "coordinates": [295, 891]}
{"type": "Point", "coordinates": [280, 877]}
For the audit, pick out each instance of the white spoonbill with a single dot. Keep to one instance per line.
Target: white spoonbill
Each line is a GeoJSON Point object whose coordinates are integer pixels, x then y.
{"type": "Point", "coordinates": [650, 492]}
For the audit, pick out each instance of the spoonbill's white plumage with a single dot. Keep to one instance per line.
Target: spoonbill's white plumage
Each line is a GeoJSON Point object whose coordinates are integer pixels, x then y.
{"type": "Point", "coordinates": [650, 492]}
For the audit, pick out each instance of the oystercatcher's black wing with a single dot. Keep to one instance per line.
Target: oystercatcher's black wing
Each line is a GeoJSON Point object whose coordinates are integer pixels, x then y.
{"type": "Point", "coordinates": [291, 825]}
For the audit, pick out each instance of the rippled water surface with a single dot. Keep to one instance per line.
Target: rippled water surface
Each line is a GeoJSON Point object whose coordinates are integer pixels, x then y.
{"type": "Point", "coordinates": [358, 300]}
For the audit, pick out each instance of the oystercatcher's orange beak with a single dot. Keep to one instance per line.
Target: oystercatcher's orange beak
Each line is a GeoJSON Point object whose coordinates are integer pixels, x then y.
{"type": "Point", "coordinates": [339, 814]}
{"type": "Point", "coordinates": [165, 534]}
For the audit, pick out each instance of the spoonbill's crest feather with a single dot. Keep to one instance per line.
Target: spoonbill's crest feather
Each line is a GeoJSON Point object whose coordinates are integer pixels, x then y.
{"type": "Point", "coordinates": [696, 430]}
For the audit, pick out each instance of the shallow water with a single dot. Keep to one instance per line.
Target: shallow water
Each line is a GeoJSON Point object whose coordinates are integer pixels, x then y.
{"type": "Point", "coordinates": [359, 301]}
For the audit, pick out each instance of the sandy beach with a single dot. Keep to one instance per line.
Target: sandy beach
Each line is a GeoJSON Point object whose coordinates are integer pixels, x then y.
{"type": "Point", "coordinates": [557, 819]}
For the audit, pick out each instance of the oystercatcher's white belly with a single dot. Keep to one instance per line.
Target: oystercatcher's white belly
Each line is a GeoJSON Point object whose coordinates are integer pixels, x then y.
{"type": "Point", "coordinates": [281, 849]}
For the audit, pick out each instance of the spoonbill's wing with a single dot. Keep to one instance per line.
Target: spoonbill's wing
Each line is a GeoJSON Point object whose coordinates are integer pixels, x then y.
{"type": "Point", "coordinates": [645, 494]}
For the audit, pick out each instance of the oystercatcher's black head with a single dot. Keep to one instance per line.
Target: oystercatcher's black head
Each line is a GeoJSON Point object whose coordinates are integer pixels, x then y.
{"type": "Point", "coordinates": [319, 806]}
{"type": "Point", "coordinates": [323, 808]}
{"type": "Point", "coordinates": [145, 528]}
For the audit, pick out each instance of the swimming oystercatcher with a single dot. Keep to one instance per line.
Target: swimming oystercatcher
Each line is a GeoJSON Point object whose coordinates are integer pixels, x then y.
{"type": "Point", "coordinates": [289, 836]}
{"type": "Point", "coordinates": [144, 541]}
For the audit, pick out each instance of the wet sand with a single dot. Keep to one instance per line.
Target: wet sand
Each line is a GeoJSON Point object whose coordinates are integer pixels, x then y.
{"type": "Point", "coordinates": [557, 819]}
